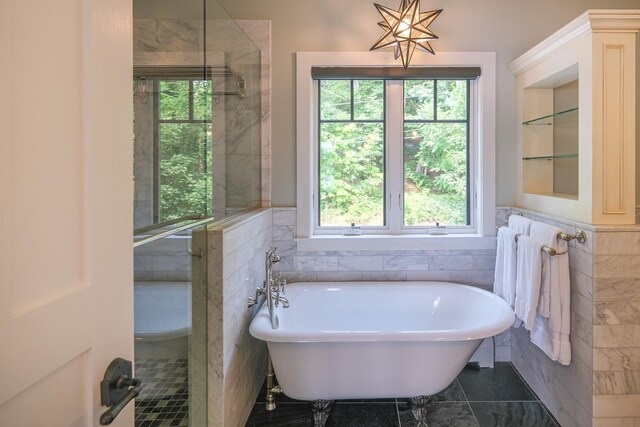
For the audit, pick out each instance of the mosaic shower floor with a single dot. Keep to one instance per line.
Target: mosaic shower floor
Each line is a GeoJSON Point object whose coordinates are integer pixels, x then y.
{"type": "Point", "coordinates": [477, 398]}
{"type": "Point", "coordinates": [164, 400]}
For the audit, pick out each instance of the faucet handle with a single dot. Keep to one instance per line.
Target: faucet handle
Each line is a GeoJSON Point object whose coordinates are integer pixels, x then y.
{"type": "Point", "coordinates": [281, 282]}
{"type": "Point", "coordinates": [285, 302]}
{"type": "Point", "coordinates": [254, 299]}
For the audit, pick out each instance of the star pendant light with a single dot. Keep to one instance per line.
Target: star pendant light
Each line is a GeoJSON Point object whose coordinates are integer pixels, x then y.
{"type": "Point", "coordinates": [405, 29]}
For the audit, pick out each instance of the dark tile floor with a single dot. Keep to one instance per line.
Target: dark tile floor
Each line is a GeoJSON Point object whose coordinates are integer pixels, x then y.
{"type": "Point", "coordinates": [477, 398]}
{"type": "Point", "coordinates": [164, 400]}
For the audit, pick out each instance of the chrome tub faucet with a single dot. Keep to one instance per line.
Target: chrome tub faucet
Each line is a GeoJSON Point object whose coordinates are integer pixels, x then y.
{"type": "Point", "coordinates": [272, 287]}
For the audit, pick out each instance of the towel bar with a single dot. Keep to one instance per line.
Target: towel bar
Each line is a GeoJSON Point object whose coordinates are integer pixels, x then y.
{"type": "Point", "coordinates": [580, 237]}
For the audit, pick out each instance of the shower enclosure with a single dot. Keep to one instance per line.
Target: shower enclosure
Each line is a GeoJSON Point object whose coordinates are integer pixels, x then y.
{"type": "Point", "coordinates": [197, 114]}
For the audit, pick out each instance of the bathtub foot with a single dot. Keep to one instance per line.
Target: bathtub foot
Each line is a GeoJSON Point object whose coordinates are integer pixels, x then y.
{"type": "Point", "coordinates": [321, 409]}
{"type": "Point", "coordinates": [418, 407]}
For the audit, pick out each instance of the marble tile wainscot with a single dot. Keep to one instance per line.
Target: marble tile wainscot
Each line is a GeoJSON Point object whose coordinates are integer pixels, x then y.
{"type": "Point", "coordinates": [473, 267]}
{"type": "Point", "coordinates": [601, 386]}
{"type": "Point", "coordinates": [237, 362]}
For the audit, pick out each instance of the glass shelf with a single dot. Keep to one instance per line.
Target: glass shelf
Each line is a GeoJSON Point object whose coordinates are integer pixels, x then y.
{"type": "Point", "coordinates": [559, 156]}
{"type": "Point", "coordinates": [537, 121]}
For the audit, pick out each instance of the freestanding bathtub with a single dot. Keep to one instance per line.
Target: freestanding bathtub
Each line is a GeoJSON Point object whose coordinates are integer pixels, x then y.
{"type": "Point", "coordinates": [355, 340]}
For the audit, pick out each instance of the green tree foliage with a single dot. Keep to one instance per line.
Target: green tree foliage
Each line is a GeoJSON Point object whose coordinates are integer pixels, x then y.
{"type": "Point", "coordinates": [435, 166]}
{"type": "Point", "coordinates": [185, 148]}
{"type": "Point", "coordinates": [352, 152]}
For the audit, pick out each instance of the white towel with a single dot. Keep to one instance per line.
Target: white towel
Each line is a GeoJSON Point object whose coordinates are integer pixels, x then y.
{"type": "Point", "coordinates": [528, 277]}
{"type": "Point", "coordinates": [504, 284]}
{"type": "Point", "coordinates": [520, 224]}
{"type": "Point", "coordinates": [551, 333]}
{"type": "Point", "coordinates": [554, 268]}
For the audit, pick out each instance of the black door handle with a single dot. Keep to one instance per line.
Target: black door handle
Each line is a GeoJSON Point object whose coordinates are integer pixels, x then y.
{"type": "Point", "coordinates": [114, 389]}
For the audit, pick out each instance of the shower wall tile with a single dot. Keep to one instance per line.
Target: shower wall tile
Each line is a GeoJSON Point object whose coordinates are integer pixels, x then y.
{"type": "Point", "coordinates": [237, 360]}
{"type": "Point", "coordinates": [167, 35]}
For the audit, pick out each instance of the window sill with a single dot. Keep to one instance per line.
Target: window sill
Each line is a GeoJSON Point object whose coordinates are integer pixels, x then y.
{"type": "Point", "coordinates": [395, 243]}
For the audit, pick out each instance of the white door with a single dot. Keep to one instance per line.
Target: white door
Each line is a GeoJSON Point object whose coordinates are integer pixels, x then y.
{"type": "Point", "coordinates": [66, 293]}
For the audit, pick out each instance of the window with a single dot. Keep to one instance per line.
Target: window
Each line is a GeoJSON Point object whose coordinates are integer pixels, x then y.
{"type": "Point", "coordinates": [354, 172]}
{"type": "Point", "coordinates": [395, 153]}
{"type": "Point", "coordinates": [351, 153]}
{"type": "Point", "coordinates": [182, 118]}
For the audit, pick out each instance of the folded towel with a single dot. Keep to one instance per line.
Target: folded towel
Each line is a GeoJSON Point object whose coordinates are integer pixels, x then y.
{"type": "Point", "coordinates": [551, 331]}
{"type": "Point", "coordinates": [554, 268]}
{"type": "Point", "coordinates": [504, 284]}
{"type": "Point", "coordinates": [520, 224]}
{"type": "Point", "coordinates": [553, 336]}
{"type": "Point", "coordinates": [529, 270]}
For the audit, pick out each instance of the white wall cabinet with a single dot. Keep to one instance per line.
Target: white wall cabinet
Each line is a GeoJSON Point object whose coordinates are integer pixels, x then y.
{"type": "Point", "coordinates": [576, 114]}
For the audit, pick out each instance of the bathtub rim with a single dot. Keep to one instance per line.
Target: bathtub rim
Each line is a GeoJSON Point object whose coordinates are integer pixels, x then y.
{"type": "Point", "coordinates": [260, 327]}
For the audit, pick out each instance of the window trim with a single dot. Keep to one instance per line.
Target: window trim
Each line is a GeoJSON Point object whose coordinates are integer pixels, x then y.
{"type": "Point", "coordinates": [482, 168]}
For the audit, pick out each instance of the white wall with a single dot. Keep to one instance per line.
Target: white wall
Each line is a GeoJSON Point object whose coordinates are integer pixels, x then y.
{"type": "Point", "coordinates": [507, 27]}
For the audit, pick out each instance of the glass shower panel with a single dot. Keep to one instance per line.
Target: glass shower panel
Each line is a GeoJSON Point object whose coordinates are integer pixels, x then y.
{"type": "Point", "coordinates": [170, 328]}
{"type": "Point", "coordinates": [237, 114]}
{"type": "Point", "coordinates": [197, 158]}
{"type": "Point", "coordinates": [172, 97]}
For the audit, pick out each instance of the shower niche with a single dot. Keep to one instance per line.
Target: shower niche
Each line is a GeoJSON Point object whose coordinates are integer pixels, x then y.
{"type": "Point", "coordinates": [575, 105]}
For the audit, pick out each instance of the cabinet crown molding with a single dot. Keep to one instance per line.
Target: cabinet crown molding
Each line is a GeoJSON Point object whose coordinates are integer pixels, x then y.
{"type": "Point", "coordinates": [591, 21]}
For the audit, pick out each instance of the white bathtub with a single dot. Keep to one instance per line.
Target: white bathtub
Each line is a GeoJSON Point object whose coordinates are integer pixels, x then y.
{"type": "Point", "coordinates": [162, 319]}
{"type": "Point", "coordinates": [354, 340]}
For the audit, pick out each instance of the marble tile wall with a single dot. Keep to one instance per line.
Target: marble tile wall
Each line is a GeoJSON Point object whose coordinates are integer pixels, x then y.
{"type": "Point", "coordinates": [165, 260]}
{"type": "Point", "coordinates": [566, 390]}
{"type": "Point", "coordinates": [616, 329]}
{"type": "Point", "coordinates": [601, 386]}
{"type": "Point", "coordinates": [237, 362]}
{"type": "Point", "coordinates": [474, 267]}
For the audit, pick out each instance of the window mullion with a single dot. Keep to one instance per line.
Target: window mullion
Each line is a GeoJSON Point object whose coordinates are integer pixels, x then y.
{"type": "Point", "coordinates": [394, 151]}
